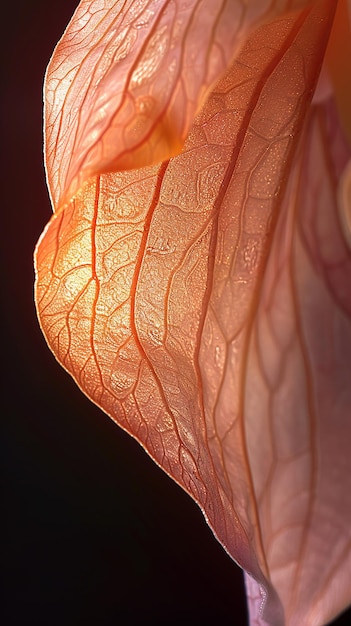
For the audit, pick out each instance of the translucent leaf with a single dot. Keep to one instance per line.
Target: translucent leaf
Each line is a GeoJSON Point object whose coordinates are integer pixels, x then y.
{"type": "Point", "coordinates": [203, 301]}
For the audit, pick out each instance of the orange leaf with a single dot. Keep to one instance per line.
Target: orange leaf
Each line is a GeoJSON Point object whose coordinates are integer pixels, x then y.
{"type": "Point", "coordinates": [203, 301]}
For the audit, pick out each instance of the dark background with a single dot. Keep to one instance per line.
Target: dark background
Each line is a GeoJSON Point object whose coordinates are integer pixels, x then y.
{"type": "Point", "coordinates": [94, 533]}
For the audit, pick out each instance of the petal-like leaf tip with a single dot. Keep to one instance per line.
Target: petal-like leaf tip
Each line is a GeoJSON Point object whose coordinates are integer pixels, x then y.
{"type": "Point", "coordinates": [154, 64]}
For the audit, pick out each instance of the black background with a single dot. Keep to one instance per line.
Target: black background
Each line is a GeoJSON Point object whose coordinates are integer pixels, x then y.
{"type": "Point", "coordinates": [94, 533]}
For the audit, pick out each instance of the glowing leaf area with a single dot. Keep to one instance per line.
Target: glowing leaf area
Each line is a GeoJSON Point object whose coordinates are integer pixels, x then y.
{"type": "Point", "coordinates": [195, 276]}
